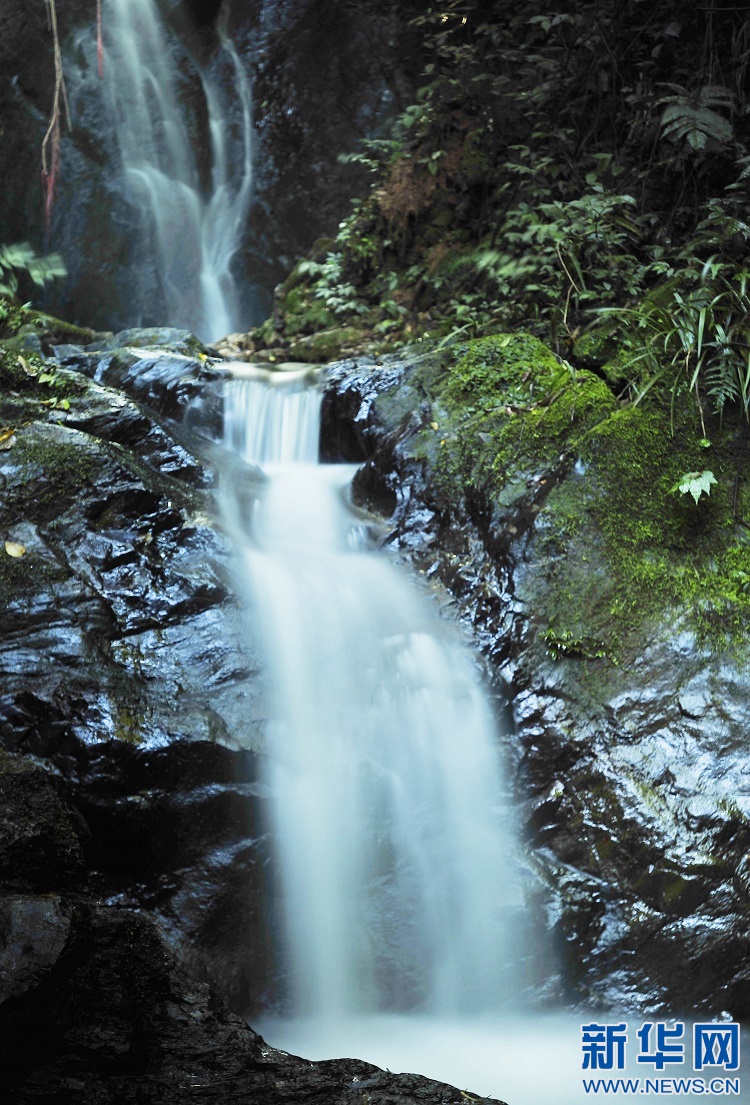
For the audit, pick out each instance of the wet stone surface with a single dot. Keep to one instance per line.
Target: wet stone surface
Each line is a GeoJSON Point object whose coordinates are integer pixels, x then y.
{"type": "Point", "coordinates": [133, 846]}
{"type": "Point", "coordinates": [126, 665]}
{"type": "Point", "coordinates": [633, 782]}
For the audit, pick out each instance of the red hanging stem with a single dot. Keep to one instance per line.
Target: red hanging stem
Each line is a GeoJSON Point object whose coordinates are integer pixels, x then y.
{"type": "Point", "coordinates": [99, 38]}
{"type": "Point", "coordinates": [49, 178]}
{"type": "Point", "coordinates": [51, 142]}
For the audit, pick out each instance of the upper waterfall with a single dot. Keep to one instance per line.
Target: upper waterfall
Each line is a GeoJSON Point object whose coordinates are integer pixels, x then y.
{"type": "Point", "coordinates": [192, 229]}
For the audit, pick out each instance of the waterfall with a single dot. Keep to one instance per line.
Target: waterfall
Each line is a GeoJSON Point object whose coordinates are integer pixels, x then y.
{"type": "Point", "coordinates": [392, 855]}
{"type": "Point", "coordinates": [191, 229]}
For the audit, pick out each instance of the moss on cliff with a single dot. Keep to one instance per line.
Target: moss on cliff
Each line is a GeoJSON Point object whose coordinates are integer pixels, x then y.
{"type": "Point", "coordinates": [618, 550]}
{"type": "Point", "coordinates": [505, 410]}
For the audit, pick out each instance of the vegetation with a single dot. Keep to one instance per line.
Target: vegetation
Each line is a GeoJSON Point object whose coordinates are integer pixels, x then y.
{"type": "Point", "coordinates": [631, 530]}
{"type": "Point", "coordinates": [579, 174]}
{"type": "Point", "coordinates": [582, 173]}
{"type": "Point", "coordinates": [17, 260]}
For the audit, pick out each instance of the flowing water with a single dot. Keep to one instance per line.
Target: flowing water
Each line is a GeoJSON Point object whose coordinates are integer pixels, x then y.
{"type": "Point", "coordinates": [393, 859]}
{"type": "Point", "coordinates": [392, 852]}
{"type": "Point", "coordinates": [192, 228]}
{"type": "Point", "coordinates": [392, 855]}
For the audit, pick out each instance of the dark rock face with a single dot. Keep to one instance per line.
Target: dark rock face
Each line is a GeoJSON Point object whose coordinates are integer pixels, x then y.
{"type": "Point", "coordinates": [632, 780]}
{"type": "Point", "coordinates": [132, 818]}
{"type": "Point", "coordinates": [38, 845]}
{"type": "Point", "coordinates": [126, 664]}
{"type": "Point", "coordinates": [326, 75]}
{"type": "Point", "coordinates": [94, 1007]}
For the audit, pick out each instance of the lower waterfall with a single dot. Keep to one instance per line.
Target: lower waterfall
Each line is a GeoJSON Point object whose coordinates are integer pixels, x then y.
{"type": "Point", "coordinates": [393, 859]}
{"type": "Point", "coordinates": [401, 930]}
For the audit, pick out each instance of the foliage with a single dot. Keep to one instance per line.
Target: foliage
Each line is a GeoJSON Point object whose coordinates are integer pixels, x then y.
{"type": "Point", "coordinates": [690, 118]}
{"type": "Point", "coordinates": [582, 173]}
{"type": "Point", "coordinates": [695, 483]}
{"type": "Point", "coordinates": [19, 259]}
{"type": "Point", "coordinates": [577, 173]}
{"type": "Point", "coordinates": [692, 335]}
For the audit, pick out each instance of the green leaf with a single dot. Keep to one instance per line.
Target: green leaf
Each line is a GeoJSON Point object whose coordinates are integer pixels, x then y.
{"type": "Point", "coordinates": [695, 484]}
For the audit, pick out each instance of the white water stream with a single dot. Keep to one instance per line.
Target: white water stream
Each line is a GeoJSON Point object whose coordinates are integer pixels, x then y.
{"type": "Point", "coordinates": [393, 859]}
{"type": "Point", "coordinates": [193, 231]}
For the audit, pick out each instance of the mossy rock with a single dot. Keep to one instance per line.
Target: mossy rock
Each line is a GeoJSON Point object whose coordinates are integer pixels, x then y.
{"type": "Point", "coordinates": [17, 319]}
{"type": "Point", "coordinates": [622, 550]}
{"type": "Point", "coordinates": [592, 480]}
{"type": "Point", "coordinates": [328, 345]}
{"type": "Point", "coordinates": [507, 407]}
{"type": "Point", "coordinates": [303, 313]}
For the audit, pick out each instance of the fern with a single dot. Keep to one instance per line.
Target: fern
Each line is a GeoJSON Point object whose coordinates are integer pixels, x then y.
{"type": "Point", "coordinates": [699, 337]}
{"type": "Point", "coordinates": [691, 118]}
{"type": "Point", "coordinates": [722, 384]}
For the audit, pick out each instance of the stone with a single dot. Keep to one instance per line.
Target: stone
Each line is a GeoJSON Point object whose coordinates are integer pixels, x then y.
{"type": "Point", "coordinates": [634, 792]}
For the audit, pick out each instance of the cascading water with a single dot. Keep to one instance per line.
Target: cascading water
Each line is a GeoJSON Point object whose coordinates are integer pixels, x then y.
{"type": "Point", "coordinates": [399, 898]}
{"type": "Point", "coordinates": [193, 232]}
{"type": "Point", "coordinates": [392, 855]}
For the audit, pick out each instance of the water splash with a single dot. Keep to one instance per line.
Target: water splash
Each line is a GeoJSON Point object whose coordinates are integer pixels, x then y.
{"type": "Point", "coordinates": [193, 233]}
{"type": "Point", "coordinates": [392, 854]}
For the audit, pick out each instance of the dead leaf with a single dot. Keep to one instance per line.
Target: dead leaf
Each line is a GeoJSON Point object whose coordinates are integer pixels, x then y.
{"type": "Point", "coordinates": [14, 549]}
{"type": "Point", "coordinates": [24, 364]}
{"type": "Point", "coordinates": [7, 438]}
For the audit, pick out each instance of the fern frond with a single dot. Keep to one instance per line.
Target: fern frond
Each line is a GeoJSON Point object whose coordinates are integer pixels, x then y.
{"type": "Point", "coordinates": [722, 383]}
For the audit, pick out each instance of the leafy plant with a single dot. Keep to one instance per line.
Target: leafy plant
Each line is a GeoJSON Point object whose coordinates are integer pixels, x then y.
{"type": "Point", "coordinates": [695, 484]}
{"type": "Point", "coordinates": [16, 259]}
{"type": "Point", "coordinates": [696, 337]}
{"type": "Point", "coordinates": [690, 118]}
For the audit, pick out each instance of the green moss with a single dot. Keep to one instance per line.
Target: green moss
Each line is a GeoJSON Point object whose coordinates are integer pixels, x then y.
{"type": "Point", "coordinates": [27, 379]}
{"type": "Point", "coordinates": [617, 550]}
{"type": "Point", "coordinates": [303, 313]}
{"type": "Point", "coordinates": [506, 408]}
{"type": "Point", "coordinates": [129, 726]}
{"type": "Point", "coordinates": [53, 471]}
{"type": "Point", "coordinates": [15, 318]}
{"type": "Point", "coordinates": [500, 368]}
{"type": "Point", "coordinates": [623, 550]}
{"type": "Point", "coordinates": [326, 345]}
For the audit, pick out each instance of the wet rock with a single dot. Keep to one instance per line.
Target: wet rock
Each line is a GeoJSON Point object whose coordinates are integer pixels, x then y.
{"type": "Point", "coordinates": [632, 779]}
{"type": "Point", "coordinates": [166, 380]}
{"type": "Point", "coordinates": [39, 846]}
{"type": "Point", "coordinates": [149, 337]}
{"type": "Point", "coordinates": [122, 648]}
{"type": "Point", "coordinates": [93, 1006]}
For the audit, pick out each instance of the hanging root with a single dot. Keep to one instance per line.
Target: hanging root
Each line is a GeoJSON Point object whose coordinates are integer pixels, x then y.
{"type": "Point", "coordinates": [99, 39]}
{"type": "Point", "coordinates": [51, 142]}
